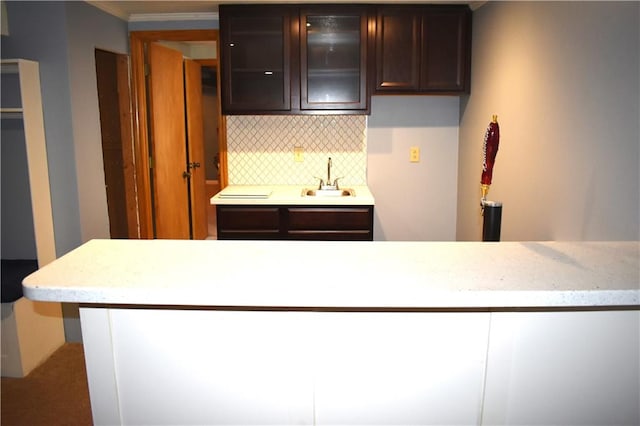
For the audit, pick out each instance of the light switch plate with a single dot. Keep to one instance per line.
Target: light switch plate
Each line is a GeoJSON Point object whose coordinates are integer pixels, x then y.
{"type": "Point", "coordinates": [414, 154]}
{"type": "Point", "coordinates": [298, 154]}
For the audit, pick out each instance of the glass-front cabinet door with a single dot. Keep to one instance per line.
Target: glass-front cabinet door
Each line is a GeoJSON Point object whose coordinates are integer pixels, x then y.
{"type": "Point", "coordinates": [333, 58]}
{"type": "Point", "coordinates": [256, 59]}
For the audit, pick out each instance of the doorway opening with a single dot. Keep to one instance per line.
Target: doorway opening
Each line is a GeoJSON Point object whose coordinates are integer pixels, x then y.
{"type": "Point", "coordinates": [211, 112]}
{"type": "Point", "coordinates": [140, 40]}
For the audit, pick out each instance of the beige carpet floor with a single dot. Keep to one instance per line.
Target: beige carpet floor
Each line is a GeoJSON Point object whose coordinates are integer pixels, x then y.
{"type": "Point", "coordinates": [55, 393]}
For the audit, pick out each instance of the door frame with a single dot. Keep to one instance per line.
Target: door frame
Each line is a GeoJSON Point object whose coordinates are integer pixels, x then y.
{"type": "Point", "coordinates": [138, 40]}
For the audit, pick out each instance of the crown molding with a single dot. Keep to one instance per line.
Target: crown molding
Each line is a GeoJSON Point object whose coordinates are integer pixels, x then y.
{"type": "Point", "coordinates": [118, 12]}
{"type": "Point", "coordinates": [111, 10]}
{"type": "Point", "coordinates": [473, 5]}
{"type": "Point", "coordinates": [198, 16]}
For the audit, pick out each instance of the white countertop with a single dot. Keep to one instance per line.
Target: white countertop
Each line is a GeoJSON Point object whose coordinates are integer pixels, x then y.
{"type": "Point", "coordinates": [311, 274]}
{"type": "Point", "coordinates": [287, 195]}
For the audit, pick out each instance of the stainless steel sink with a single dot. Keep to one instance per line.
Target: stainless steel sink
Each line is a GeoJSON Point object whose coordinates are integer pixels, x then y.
{"type": "Point", "coordinates": [348, 192]}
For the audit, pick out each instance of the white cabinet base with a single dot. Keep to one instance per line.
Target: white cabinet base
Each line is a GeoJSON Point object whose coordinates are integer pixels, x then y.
{"type": "Point", "coordinates": [192, 366]}
{"type": "Point", "coordinates": [563, 368]}
{"type": "Point", "coordinates": [153, 366]}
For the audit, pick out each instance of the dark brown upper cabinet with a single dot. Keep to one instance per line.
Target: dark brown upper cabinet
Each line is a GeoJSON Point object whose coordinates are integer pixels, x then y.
{"type": "Point", "coordinates": [255, 51]}
{"type": "Point", "coordinates": [423, 49]}
{"type": "Point", "coordinates": [293, 59]}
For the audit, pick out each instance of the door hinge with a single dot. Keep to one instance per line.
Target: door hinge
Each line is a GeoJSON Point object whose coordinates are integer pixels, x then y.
{"type": "Point", "coordinates": [147, 70]}
{"type": "Point", "coordinates": [151, 162]}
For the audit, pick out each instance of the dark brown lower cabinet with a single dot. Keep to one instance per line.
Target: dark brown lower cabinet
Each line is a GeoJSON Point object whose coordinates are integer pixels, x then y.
{"type": "Point", "coordinates": [331, 223]}
{"type": "Point", "coordinates": [248, 223]}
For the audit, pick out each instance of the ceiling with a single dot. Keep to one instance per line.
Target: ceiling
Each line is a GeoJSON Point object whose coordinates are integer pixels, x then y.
{"type": "Point", "coordinates": [148, 10]}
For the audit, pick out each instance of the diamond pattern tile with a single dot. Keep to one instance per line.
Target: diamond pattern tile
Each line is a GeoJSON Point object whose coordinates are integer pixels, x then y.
{"type": "Point", "coordinates": [260, 149]}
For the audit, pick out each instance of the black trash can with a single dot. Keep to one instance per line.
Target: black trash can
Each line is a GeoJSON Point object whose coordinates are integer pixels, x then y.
{"type": "Point", "coordinates": [492, 220]}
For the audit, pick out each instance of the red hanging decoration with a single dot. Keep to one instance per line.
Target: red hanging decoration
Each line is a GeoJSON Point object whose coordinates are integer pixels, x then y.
{"type": "Point", "coordinates": [489, 151]}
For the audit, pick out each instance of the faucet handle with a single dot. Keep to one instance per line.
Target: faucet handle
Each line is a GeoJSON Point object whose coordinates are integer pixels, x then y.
{"type": "Point", "coordinates": [321, 184]}
{"type": "Point", "coordinates": [335, 182]}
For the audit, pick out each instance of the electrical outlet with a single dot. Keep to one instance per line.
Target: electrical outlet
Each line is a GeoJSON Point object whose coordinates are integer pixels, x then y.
{"type": "Point", "coordinates": [414, 154]}
{"type": "Point", "coordinates": [298, 154]}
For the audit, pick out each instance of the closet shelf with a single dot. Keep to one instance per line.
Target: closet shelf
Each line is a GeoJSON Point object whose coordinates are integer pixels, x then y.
{"type": "Point", "coordinates": [11, 113]}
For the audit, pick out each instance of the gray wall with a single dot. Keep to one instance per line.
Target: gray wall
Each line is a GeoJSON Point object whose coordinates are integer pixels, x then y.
{"type": "Point", "coordinates": [62, 37]}
{"type": "Point", "coordinates": [563, 78]}
{"type": "Point", "coordinates": [37, 31]}
{"type": "Point", "coordinates": [113, 36]}
{"type": "Point", "coordinates": [414, 201]}
{"type": "Point", "coordinates": [18, 238]}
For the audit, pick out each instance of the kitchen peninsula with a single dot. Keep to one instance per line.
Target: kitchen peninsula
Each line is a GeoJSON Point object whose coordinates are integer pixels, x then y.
{"type": "Point", "coordinates": [298, 332]}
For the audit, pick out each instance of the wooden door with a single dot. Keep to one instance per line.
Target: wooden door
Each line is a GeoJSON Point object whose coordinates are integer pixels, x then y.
{"type": "Point", "coordinates": [111, 144]}
{"type": "Point", "coordinates": [195, 149]}
{"type": "Point", "coordinates": [115, 124]}
{"type": "Point", "coordinates": [168, 143]}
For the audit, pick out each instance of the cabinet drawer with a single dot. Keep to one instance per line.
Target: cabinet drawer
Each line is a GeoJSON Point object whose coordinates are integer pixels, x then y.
{"type": "Point", "coordinates": [295, 223]}
{"type": "Point", "coordinates": [330, 218]}
{"type": "Point", "coordinates": [331, 235]}
{"type": "Point", "coordinates": [247, 218]}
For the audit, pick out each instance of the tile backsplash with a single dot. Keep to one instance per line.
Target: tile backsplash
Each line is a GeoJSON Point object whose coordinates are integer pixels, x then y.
{"type": "Point", "coordinates": [261, 149]}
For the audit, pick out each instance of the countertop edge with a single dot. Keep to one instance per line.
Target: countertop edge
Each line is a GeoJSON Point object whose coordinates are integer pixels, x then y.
{"type": "Point", "coordinates": [383, 275]}
{"type": "Point", "coordinates": [291, 195]}
{"type": "Point", "coordinates": [469, 300]}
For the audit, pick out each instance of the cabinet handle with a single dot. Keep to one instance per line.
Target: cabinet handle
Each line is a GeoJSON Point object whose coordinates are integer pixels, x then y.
{"type": "Point", "coordinates": [186, 175]}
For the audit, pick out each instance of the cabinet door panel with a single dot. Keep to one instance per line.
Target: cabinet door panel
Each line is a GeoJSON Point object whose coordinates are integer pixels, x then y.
{"type": "Point", "coordinates": [255, 45]}
{"type": "Point", "coordinates": [333, 50]}
{"type": "Point", "coordinates": [202, 367]}
{"type": "Point", "coordinates": [400, 369]}
{"type": "Point", "coordinates": [398, 49]}
{"type": "Point", "coordinates": [445, 49]}
{"type": "Point", "coordinates": [569, 368]}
